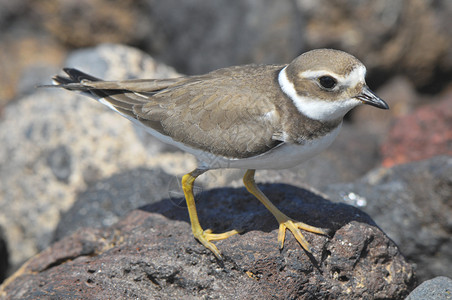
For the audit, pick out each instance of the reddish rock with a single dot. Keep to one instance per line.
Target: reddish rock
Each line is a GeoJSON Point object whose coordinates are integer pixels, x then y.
{"type": "Point", "coordinates": [425, 133]}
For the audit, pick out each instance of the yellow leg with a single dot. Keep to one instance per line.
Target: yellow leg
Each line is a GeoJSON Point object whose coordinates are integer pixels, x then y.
{"type": "Point", "coordinates": [203, 236]}
{"type": "Point", "coordinates": [284, 221]}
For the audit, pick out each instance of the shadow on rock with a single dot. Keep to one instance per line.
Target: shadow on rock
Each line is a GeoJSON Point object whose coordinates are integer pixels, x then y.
{"type": "Point", "coordinates": [150, 252]}
{"type": "Point", "coordinates": [224, 209]}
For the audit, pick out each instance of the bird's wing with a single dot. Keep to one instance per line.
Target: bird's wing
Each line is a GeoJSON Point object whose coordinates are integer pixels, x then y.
{"type": "Point", "coordinates": [220, 114]}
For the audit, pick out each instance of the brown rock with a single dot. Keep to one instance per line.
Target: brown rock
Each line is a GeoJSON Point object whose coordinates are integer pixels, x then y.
{"type": "Point", "coordinates": [22, 54]}
{"type": "Point", "coordinates": [423, 134]}
{"type": "Point", "coordinates": [397, 36]}
{"type": "Point", "coordinates": [153, 255]}
{"type": "Point", "coordinates": [95, 21]}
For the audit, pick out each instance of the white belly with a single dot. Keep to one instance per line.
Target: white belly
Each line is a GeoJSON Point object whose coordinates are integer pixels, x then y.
{"type": "Point", "coordinates": [282, 157]}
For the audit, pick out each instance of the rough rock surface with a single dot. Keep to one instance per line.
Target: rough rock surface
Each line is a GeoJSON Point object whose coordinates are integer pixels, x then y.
{"type": "Point", "coordinates": [412, 204]}
{"type": "Point", "coordinates": [425, 133]}
{"type": "Point", "coordinates": [438, 288]}
{"type": "Point", "coordinates": [151, 254]}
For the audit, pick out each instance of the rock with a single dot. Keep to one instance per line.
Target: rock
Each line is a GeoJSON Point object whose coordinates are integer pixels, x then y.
{"type": "Point", "coordinates": [26, 59]}
{"type": "Point", "coordinates": [411, 203]}
{"type": "Point", "coordinates": [438, 288]}
{"type": "Point", "coordinates": [402, 98]}
{"type": "Point", "coordinates": [96, 21]}
{"type": "Point", "coordinates": [354, 153]}
{"type": "Point", "coordinates": [105, 201]}
{"type": "Point", "coordinates": [4, 256]}
{"type": "Point", "coordinates": [151, 254]}
{"type": "Point", "coordinates": [391, 38]}
{"type": "Point", "coordinates": [425, 133]}
{"type": "Point", "coordinates": [225, 33]}
{"type": "Point", "coordinates": [56, 143]}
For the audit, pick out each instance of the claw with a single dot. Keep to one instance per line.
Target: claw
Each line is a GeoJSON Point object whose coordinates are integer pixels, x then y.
{"type": "Point", "coordinates": [204, 237]}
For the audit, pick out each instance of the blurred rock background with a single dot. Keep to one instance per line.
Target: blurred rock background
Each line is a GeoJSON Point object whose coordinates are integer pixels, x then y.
{"type": "Point", "coordinates": [57, 148]}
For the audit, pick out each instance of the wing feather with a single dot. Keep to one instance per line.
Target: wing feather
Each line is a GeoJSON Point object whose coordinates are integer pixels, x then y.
{"type": "Point", "coordinates": [220, 113]}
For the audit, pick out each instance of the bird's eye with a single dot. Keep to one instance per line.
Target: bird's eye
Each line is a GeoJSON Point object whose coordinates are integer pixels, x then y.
{"type": "Point", "coordinates": [327, 82]}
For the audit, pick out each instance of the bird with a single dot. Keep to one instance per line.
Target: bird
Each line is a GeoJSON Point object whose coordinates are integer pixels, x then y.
{"type": "Point", "coordinates": [248, 117]}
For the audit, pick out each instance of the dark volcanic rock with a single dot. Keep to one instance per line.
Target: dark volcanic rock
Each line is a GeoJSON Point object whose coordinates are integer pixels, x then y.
{"type": "Point", "coordinates": [412, 203]}
{"type": "Point", "coordinates": [103, 203]}
{"type": "Point", "coordinates": [151, 254]}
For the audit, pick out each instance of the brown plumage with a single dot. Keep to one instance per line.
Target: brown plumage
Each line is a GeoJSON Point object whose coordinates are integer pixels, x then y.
{"type": "Point", "coordinates": [217, 112]}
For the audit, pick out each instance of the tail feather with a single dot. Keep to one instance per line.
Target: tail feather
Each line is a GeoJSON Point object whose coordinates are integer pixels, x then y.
{"type": "Point", "coordinates": [73, 82]}
{"type": "Point", "coordinates": [121, 96]}
{"type": "Point", "coordinates": [121, 100]}
{"type": "Point", "coordinates": [77, 76]}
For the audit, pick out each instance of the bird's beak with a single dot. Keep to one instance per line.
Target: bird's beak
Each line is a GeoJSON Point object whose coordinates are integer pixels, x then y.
{"type": "Point", "coordinates": [369, 97]}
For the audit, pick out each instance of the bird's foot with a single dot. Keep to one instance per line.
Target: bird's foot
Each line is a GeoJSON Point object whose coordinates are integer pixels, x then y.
{"type": "Point", "coordinates": [295, 227]}
{"type": "Point", "coordinates": [205, 236]}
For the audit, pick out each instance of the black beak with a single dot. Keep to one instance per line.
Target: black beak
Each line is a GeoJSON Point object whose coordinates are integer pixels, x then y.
{"type": "Point", "coordinates": [369, 97]}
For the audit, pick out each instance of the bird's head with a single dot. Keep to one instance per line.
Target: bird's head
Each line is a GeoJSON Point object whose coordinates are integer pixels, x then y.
{"type": "Point", "coordinates": [325, 84]}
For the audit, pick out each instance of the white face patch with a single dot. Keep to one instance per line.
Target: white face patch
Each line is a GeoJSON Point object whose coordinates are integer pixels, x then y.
{"type": "Point", "coordinates": [318, 109]}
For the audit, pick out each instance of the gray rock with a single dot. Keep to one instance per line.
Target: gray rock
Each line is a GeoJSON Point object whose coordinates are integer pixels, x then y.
{"type": "Point", "coordinates": [151, 254]}
{"type": "Point", "coordinates": [411, 203]}
{"type": "Point", "coordinates": [438, 288]}
{"type": "Point", "coordinates": [55, 143]}
{"type": "Point", "coordinates": [104, 202]}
